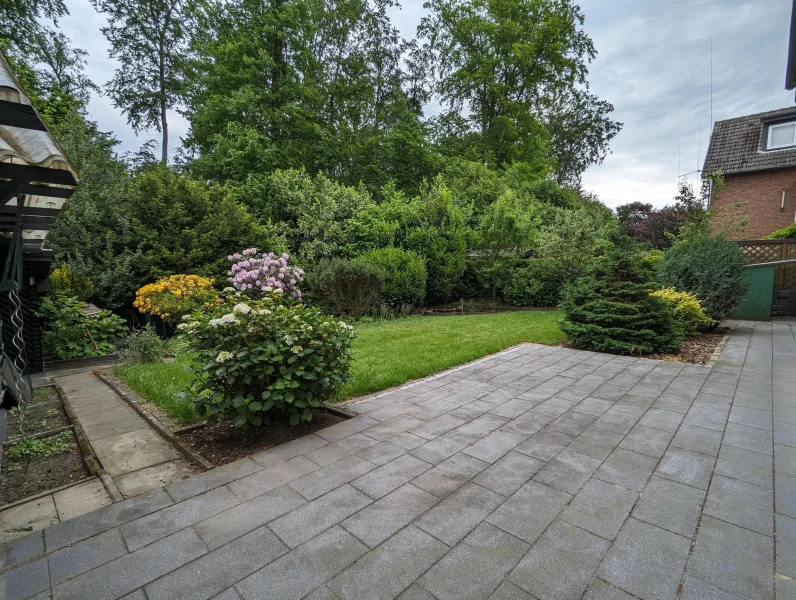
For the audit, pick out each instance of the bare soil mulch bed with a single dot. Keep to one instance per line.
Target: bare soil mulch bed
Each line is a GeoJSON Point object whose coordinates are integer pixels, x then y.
{"type": "Point", "coordinates": [23, 478]}
{"type": "Point", "coordinates": [696, 350]}
{"type": "Point", "coordinates": [44, 413]}
{"type": "Point", "coordinates": [222, 442]}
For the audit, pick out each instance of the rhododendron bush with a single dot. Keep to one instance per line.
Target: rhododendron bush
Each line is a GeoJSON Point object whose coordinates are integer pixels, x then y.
{"type": "Point", "coordinates": [255, 273]}
{"type": "Point", "coordinates": [266, 356]}
{"type": "Point", "coordinates": [172, 297]}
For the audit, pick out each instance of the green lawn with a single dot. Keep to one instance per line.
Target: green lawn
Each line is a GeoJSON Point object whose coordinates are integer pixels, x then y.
{"type": "Point", "coordinates": [384, 354]}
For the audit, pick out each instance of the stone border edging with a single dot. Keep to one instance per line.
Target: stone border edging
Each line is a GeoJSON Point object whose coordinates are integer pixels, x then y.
{"type": "Point", "coordinates": [90, 459]}
{"type": "Point", "coordinates": [720, 346]}
{"type": "Point", "coordinates": [132, 399]}
{"type": "Point", "coordinates": [40, 495]}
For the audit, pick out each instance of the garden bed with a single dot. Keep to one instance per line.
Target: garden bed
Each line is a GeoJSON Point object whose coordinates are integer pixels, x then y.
{"type": "Point", "coordinates": [698, 350]}
{"type": "Point", "coordinates": [222, 442]}
{"type": "Point", "coordinates": [475, 307]}
{"type": "Point", "coordinates": [41, 451]}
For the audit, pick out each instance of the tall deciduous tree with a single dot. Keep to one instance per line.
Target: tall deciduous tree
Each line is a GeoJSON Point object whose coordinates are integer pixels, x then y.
{"type": "Point", "coordinates": [20, 20]}
{"type": "Point", "coordinates": [150, 39]}
{"type": "Point", "coordinates": [499, 58]}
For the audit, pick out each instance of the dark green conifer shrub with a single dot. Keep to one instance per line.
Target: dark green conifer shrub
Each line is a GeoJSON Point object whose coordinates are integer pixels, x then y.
{"type": "Point", "coordinates": [610, 308]}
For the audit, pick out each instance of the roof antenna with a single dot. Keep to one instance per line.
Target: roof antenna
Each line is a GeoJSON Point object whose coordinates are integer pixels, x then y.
{"type": "Point", "coordinates": [679, 137]}
{"type": "Point", "coordinates": [711, 82]}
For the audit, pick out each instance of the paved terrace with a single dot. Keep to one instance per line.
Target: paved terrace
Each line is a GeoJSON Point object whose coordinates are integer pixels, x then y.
{"type": "Point", "coordinates": [541, 472]}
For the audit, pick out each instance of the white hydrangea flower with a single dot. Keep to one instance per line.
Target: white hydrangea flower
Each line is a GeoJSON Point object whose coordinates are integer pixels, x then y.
{"type": "Point", "coordinates": [224, 356]}
{"type": "Point", "coordinates": [241, 308]}
{"type": "Point", "coordinates": [263, 311]}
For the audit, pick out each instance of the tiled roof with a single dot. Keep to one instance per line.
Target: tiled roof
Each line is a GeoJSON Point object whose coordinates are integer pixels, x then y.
{"type": "Point", "coordinates": [736, 145]}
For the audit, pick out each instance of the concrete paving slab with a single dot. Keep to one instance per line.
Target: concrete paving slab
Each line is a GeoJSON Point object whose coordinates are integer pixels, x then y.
{"type": "Point", "coordinates": [80, 499]}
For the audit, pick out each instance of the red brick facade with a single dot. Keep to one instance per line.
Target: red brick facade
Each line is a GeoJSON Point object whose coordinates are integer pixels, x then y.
{"type": "Point", "coordinates": [760, 198]}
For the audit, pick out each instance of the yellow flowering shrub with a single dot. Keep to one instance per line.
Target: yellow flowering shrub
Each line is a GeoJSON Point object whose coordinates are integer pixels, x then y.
{"type": "Point", "coordinates": [687, 309]}
{"type": "Point", "coordinates": [172, 297]}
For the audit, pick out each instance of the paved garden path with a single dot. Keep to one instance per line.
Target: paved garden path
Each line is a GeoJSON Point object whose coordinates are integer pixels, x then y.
{"type": "Point", "coordinates": [541, 472]}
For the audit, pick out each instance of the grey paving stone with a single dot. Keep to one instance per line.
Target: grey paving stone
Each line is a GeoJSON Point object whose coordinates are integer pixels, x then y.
{"type": "Point", "coordinates": [436, 427]}
{"type": "Point", "coordinates": [735, 560]}
{"type": "Point", "coordinates": [698, 439]}
{"type": "Point", "coordinates": [696, 589]}
{"type": "Point", "coordinates": [306, 522]}
{"type": "Point", "coordinates": [391, 568]}
{"type": "Point", "coordinates": [593, 406]}
{"type": "Point", "coordinates": [214, 572]}
{"type": "Point", "coordinates": [113, 515]}
{"type": "Point", "coordinates": [387, 429]}
{"type": "Point", "coordinates": [476, 566]}
{"type": "Point", "coordinates": [616, 420]}
{"type": "Point", "coordinates": [563, 548]}
{"type": "Point", "coordinates": [527, 424]}
{"type": "Point", "coordinates": [272, 477]}
{"type": "Point", "coordinates": [785, 460]}
{"type": "Point", "coordinates": [751, 417]}
{"type": "Point", "coordinates": [248, 516]}
{"type": "Point", "coordinates": [199, 484]}
{"type": "Point", "coordinates": [785, 587]}
{"type": "Point", "coordinates": [483, 425]}
{"type": "Point", "coordinates": [445, 446]}
{"type": "Point", "coordinates": [673, 402]}
{"type": "Point", "coordinates": [748, 438]}
{"type": "Point", "coordinates": [383, 480]}
{"type": "Point", "coordinates": [381, 453]}
{"type": "Point", "coordinates": [140, 595]}
{"type": "Point", "coordinates": [450, 474]}
{"type": "Point", "coordinates": [631, 470]}
{"type": "Point", "coordinates": [545, 444]}
{"type": "Point", "coordinates": [25, 581]}
{"type": "Point", "coordinates": [568, 471]}
{"type": "Point", "coordinates": [686, 467]}
{"type": "Point", "coordinates": [318, 483]}
{"type": "Point", "coordinates": [572, 423]}
{"type": "Point", "coordinates": [459, 513]}
{"type": "Point", "coordinates": [310, 442]}
{"type": "Point", "coordinates": [529, 511]}
{"type": "Point", "coordinates": [134, 570]}
{"type": "Point", "coordinates": [785, 434]}
{"type": "Point", "coordinates": [600, 508]}
{"type": "Point", "coordinates": [554, 407]}
{"type": "Point", "coordinates": [509, 473]}
{"type": "Point", "coordinates": [158, 525]}
{"type": "Point", "coordinates": [322, 593]}
{"type": "Point", "coordinates": [382, 519]}
{"type": "Point", "coordinates": [493, 446]}
{"type": "Point", "coordinates": [82, 557]}
{"type": "Point", "coordinates": [602, 590]}
{"type": "Point", "coordinates": [609, 391]}
{"type": "Point", "coordinates": [741, 504]}
{"type": "Point", "coordinates": [394, 407]}
{"type": "Point", "coordinates": [666, 420]}
{"type": "Point", "coordinates": [331, 453]}
{"type": "Point", "coordinates": [670, 505]}
{"type": "Point", "coordinates": [785, 494]}
{"type": "Point", "coordinates": [786, 546]}
{"type": "Point", "coordinates": [21, 550]}
{"type": "Point", "coordinates": [753, 401]}
{"type": "Point", "coordinates": [513, 408]}
{"type": "Point", "coordinates": [706, 418]}
{"type": "Point", "coordinates": [713, 401]}
{"type": "Point", "coordinates": [595, 442]}
{"type": "Point", "coordinates": [415, 592]}
{"type": "Point", "coordinates": [646, 561]}
{"type": "Point", "coordinates": [645, 440]}
{"type": "Point", "coordinates": [297, 573]}
{"type": "Point", "coordinates": [745, 465]}
{"type": "Point", "coordinates": [407, 441]}
{"type": "Point", "coordinates": [509, 591]}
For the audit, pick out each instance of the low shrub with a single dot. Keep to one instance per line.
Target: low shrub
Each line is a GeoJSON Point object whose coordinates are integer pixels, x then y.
{"type": "Point", "coordinates": [141, 345]}
{"type": "Point", "coordinates": [611, 310]}
{"type": "Point", "coordinates": [70, 333]}
{"type": "Point", "coordinates": [346, 287]}
{"type": "Point", "coordinates": [786, 233]}
{"type": "Point", "coordinates": [265, 357]}
{"type": "Point", "coordinates": [471, 284]}
{"type": "Point", "coordinates": [686, 308]}
{"type": "Point", "coordinates": [537, 283]}
{"type": "Point", "coordinates": [404, 274]}
{"type": "Point", "coordinates": [172, 297]}
{"type": "Point", "coordinates": [65, 281]}
{"type": "Point", "coordinates": [709, 268]}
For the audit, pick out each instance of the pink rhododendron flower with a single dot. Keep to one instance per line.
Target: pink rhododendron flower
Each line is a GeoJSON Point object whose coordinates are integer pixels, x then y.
{"type": "Point", "coordinates": [253, 273]}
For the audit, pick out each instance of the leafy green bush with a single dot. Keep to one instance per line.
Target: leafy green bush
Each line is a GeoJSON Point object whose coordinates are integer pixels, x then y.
{"type": "Point", "coordinates": [65, 281]}
{"type": "Point", "coordinates": [709, 268]}
{"type": "Point", "coordinates": [786, 233]}
{"type": "Point", "coordinates": [537, 283]}
{"type": "Point", "coordinates": [346, 287]}
{"type": "Point", "coordinates": [256, 358]}
{"type": "Point", "coordinates": [686, 308]}
{"type": "Point", "coordinates": [70, 333]}
{"type": "Point", "coordinates": [141, 345]}
{"type": "Point", "coordinates": [611, 310]}
{"type": "Point", "coordinates": [404, 275]}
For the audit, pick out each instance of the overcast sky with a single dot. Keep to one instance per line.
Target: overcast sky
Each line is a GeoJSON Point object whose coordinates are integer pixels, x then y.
{"type": "Point", "coordinates": [653, 64]}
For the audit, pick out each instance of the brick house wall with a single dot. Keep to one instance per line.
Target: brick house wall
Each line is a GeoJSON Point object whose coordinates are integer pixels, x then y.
{"type": "Point", "coordinates": [761, 193]}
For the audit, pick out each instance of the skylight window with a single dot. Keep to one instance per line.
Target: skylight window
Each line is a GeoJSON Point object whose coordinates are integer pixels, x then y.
{"type": "Point", "coordinates": [782, 135]}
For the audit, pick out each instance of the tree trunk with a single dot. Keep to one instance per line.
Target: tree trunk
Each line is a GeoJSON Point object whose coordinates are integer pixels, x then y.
{"type": "Point", "coordinates": [165, 128]}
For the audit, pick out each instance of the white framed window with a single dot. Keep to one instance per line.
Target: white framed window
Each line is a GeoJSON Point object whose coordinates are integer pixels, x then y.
{"type": "Point", "coordinates": [781, 135]}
